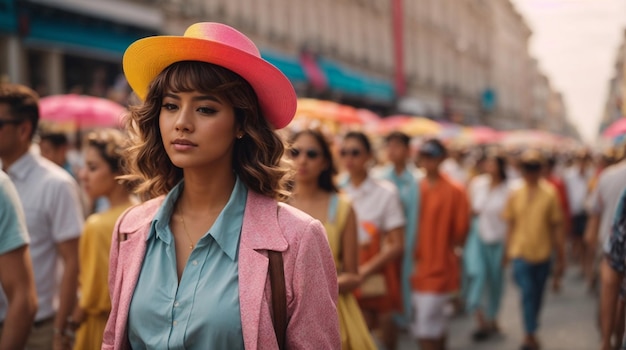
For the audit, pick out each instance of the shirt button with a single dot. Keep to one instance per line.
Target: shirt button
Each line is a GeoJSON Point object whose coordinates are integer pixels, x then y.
{"type": "Point", "coordinates": [195, 262]}
{"type": "Point", "coordinates": [174, 323]}
{"type": "Point", "coordinates": [176, 304]}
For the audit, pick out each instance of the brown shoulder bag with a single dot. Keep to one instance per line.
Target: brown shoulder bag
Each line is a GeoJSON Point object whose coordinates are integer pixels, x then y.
{"type": "Point", "coordinates": [279, 297]}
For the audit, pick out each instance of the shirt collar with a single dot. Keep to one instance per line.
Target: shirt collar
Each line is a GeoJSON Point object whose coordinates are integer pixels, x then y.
{"type": "Point", "coordinates": [365, 186]}
{"type": "Point", "coordinates": [406, 174]}
{"type": "Point", "coordinates": [22, 167]}
{"type": "Point", "coordinates": [226, 229]}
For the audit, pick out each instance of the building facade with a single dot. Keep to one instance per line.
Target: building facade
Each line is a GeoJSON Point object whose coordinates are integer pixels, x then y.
{"type": "Point", "coordinates": [462, 61]}
{"type": "Point", "coordinates": [60, 46]}
{"type": "Point", "coordinates": [615, 105]}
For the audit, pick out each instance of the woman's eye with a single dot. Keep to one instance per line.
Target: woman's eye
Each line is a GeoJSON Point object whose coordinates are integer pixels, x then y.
{"type": "Point", "coordinates": [206, 110]}
{"type": "Point", "coordinates": [169, 106]}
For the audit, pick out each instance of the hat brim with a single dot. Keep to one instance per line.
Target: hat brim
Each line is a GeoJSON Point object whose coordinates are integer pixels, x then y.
{"type": "Point", "coordinates": [146, 58]}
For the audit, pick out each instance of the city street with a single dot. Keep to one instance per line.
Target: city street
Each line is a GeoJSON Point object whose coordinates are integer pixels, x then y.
{"type": "Point", "coordinates": [567, 322]}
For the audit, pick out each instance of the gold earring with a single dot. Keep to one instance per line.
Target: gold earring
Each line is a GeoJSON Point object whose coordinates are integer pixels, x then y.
{"type": "Point", "coordinates": [240, 136]}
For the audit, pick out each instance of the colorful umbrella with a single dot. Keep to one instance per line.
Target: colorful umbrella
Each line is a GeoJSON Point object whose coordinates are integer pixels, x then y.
{"type": "Point", "coordinates": [484, 135]}
{"type": "Point", "coordinates": [391, 123]}
{"type": "Point", "coordinates": [451, 131]}
{"type": "Point", "coordinates": [81, 111]}
{"type": "Point", "coordinates": [528, 138]}
{"type": "Point", "coordinates": [310, 108]}
{"type": "Point", "coordinates": [616, 129]}
{"type": "Point", "coordinates": [419, 126]}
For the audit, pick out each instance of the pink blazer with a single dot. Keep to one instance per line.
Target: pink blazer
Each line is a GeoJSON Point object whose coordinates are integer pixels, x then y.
{"type": "Point", "coordinates": [310, 275]}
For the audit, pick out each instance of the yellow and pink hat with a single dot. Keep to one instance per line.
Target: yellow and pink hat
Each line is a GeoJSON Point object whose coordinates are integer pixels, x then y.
{"type": "Point", "coordinates": [221, 45]}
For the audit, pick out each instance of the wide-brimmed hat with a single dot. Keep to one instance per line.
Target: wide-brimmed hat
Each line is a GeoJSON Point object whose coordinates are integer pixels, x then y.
{"type": "Point", "coordinates": [221, 45]}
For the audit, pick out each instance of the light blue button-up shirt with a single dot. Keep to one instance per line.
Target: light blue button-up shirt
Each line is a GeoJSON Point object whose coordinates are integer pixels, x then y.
{"type": "Point", "coordinates": [202, 312]}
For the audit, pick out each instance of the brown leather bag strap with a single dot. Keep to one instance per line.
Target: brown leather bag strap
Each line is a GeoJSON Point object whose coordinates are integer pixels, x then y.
{"type": "Point", "coordinates": [279, 297]}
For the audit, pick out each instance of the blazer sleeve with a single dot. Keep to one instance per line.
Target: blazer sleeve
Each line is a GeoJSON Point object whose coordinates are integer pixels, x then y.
{"type": "Point", "coordinates": [108, 341]}
{"type": "Point", "coordinates": [314, 321]}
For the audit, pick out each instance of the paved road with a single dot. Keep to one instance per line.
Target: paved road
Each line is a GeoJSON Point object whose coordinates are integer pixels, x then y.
{"type": "Point", "coordinates": [567, 322]}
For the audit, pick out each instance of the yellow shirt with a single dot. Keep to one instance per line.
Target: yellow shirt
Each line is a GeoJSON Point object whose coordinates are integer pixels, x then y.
{"type": "Point", "coordinates": [533, 218]}
{"type": "Point", "coordinates": [93, 254]}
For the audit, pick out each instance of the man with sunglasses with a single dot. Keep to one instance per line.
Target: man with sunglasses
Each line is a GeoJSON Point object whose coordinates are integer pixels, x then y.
{"type": "Point", "coordinates": [535, 221]}
{"type": "Point", "coordinates": [54, 218]}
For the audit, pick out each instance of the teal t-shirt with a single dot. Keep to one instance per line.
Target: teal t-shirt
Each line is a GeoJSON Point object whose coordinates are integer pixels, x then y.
{"type": "Point", "coordinates": [202, 312]}
{"type": "Point", "coordinates": [13, 231]}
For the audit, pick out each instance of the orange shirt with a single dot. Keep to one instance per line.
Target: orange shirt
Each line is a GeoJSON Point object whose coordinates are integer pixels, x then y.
{"type": "Point", "coordinates": [443, 224]}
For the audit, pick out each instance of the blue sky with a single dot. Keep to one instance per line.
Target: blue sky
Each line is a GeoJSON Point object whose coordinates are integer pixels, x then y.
{"type": "Point", "coordinates": [576, 44]}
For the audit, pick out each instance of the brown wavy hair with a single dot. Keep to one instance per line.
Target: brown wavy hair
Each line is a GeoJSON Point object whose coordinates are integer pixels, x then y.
{"type": "Point", "coordinates": [256, 156]}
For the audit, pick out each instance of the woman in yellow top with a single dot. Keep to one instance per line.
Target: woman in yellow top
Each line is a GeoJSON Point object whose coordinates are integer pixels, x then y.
{"type": "Point", "coordinates": [315, 193]}
{"type": "Point", "coordinates": [103, 163]}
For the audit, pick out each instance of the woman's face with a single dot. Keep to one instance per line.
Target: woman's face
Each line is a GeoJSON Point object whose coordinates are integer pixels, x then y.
{"type": "Point", "coordinates": [96, 177]}
{"type": "Point", "coordinates": [354, 156]}
{"type": "Point", "coordinates": [198, 130]}
{"type": "Point", "coordinates": [308, 158]}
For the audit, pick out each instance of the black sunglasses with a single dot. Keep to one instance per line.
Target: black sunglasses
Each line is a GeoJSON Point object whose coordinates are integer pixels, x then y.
{"type": "Point", "coordinates": [4, 122]}
{"type": "Point", "coordinates": [310, 153]}
{"type": "Point", "coordinates": [354, 152]}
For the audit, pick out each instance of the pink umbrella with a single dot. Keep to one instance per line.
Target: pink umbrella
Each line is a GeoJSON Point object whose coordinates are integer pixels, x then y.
{"type": "Point", "coordinates": [484, 134]}
{"type": "Point", "coordinates": [81, 111]}
{"type": "Point", "coordinates": [616, 129]}
{"type": "Point", "coordinates": [393, 122]}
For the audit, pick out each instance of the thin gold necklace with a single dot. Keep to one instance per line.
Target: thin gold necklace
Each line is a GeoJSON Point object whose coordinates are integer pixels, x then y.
{"type": "Point", "coordinates": [182, 218]}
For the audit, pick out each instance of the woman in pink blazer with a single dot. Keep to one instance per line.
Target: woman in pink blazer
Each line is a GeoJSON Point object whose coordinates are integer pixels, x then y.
{"type": "Point", "coordinates": [189, 267]}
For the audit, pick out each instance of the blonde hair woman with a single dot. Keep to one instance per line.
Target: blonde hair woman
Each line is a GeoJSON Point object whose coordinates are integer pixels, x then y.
{"type": "Point", "coordinates": [104, 162]}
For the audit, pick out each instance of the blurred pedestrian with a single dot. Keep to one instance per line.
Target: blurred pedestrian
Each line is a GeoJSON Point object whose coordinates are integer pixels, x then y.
{"type": "Point", "coordinates": [18, 302]}
{"type": "Point", "coordinates": [316, 193]}
{"type": "Point", "coordinates": [612, 270]}
{"type": "Point", "coordinates": [189, 267]}
{"type": "Point", "coordinates": [603, 204]}
{"type": "Point", "coordinates": [454, 166]}
{"type": "Point", "coordinates": [443, 225]}
{"type": "Point", "coordinates": [401, 172]}
{"type": "Point", "coordinates": [54, 217]}
{"type": "Point", "coordinates": [535, 236]}
{"type": "Point", "coordinates": [54, 146]}
{"type": "Point", "coordinates": [380, 232]}
{"type": "Point", "coordinates": [551, 176]}
{"type": "Point", "coordinates": [577, 179]}
{"type": "Point", "coordinates": [488, 194]}
{"type": "Point", "coordinates": [104, 162]}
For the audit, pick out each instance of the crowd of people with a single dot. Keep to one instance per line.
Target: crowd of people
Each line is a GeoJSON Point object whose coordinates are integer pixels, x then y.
{"type": "Point", "coordinates": [199, 226]}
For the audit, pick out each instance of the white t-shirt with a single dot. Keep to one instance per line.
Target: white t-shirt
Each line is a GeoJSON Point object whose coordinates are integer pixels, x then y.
{"type": "Point", "coordinates": [455, 171]}
{"type": "Point", "coordinates": [488, 203]}
{"type": "Point", "coordinates": [51, 201]}
{"type": "Point", "coordinates": [577, 185]}
{"type": "Point", "coordinates": [377, 207]}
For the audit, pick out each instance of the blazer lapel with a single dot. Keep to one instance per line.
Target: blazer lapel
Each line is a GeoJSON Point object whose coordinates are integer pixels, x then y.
{"type": "Point", "coordinates": [260, 232]}
{"type": "Point", "coordinates": [131, 252]}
